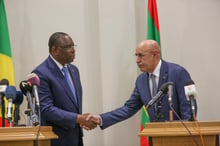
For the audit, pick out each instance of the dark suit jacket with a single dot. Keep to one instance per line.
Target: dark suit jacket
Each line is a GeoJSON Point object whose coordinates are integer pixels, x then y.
{"type": "Point", "coordinates": [57, 105]}
{"type": "Point", "coordinates": [141, 96]}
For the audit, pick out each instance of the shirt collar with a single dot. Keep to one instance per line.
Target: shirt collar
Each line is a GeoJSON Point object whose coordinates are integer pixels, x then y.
{"type": "Point", "coordinates": [156, 71]}
{"type": "Point", "coordinates": [57, 63]}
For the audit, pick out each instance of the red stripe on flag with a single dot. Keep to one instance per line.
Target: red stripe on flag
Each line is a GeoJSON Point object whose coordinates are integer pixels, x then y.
{"type": "Point", "coordinates": [144, 140]}
{"type": "Point", "coordinates": [152, 8]}
{"type": "Point", "coordinates": [144, 119]}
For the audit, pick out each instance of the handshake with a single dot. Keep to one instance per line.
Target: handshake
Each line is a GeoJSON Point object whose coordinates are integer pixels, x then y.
{"type": "Point", "coordinates": [88, 121]}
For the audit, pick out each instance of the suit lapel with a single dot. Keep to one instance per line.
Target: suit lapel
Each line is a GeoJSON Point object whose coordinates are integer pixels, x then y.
{"type": "Point", "coordinates": [148, 86]}
{"type": "Point", "coordinates": [145, 88]}
{"type": "Point", "coordinates": [74, 78]}
{"type": "Point", "coordinates": [163, 74]}
{"type": "Point", "coordinates": [67, 89]}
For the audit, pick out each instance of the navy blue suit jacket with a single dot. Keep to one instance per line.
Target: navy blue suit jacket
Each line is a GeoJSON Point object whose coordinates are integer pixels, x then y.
{"type": "Point", "coordinates": [57, 105]}
{"type": "Point", "coordinates": [141, 96]}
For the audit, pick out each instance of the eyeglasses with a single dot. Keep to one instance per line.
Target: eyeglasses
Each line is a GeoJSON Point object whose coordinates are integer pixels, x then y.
{"type": "Point", "coordinates": [140, 55]}
{"type": "Point", "coordinates": [69, 47]}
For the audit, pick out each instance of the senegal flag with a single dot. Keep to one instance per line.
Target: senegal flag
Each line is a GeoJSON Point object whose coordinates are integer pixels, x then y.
{"type": "Point", "coordinates": [153, 33]}
{"type": "Point", "coordinates": [6, 64]}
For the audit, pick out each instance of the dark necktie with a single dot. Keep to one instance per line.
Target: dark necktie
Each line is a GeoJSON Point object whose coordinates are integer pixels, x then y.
{"type": "Point", "coordinates": [67, 77]}
{"type": "Point", "coordinates": [154, 89]}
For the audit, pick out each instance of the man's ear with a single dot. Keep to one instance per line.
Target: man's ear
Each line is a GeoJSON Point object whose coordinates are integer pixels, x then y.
{"type": "Point", "coordinates": [54, 50]}
{"type": "Point", "coordinates": [155, 53]}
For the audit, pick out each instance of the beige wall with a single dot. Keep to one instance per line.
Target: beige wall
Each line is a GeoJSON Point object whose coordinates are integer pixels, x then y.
{"type": "Point", "coordinates": [106, 33]}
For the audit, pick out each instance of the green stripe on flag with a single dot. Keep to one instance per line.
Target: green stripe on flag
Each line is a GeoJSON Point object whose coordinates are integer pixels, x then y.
{"type": "Point", "coordinates": [145, 117]}
{"type": "Point", "coordinates": [5, 47]}
{"type": "Point", "coordinates": [6, 63]}
{"type": "Point", "coordinates": [152, 32]}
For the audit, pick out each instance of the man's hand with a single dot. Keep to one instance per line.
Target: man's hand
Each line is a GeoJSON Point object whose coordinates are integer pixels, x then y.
{"type": "Point", "coordinates": [89, 121]}
{"type": "Point", "coordinates": [86, 124]}
{"type": "Point", "coordinates": [94, 118]}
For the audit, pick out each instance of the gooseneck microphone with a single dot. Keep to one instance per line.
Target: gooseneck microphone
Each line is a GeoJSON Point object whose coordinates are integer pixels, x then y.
{"type": "Point", "coordinates": [170, 99]}
{"type": "Point", "coordinates": [191, 94]}
{"type": "Point", "coordinates": [163, 90]}
{"type": "Point", "coordinates": [26, 89]}
{"type": "Point", "coordinates": [10, 94]}
{"type": "Point", "coordinates": [35, 81]}
{"type": "Point", "coordinates": [170, 92]}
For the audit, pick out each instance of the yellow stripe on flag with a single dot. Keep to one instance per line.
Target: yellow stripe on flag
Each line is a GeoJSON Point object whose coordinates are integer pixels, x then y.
{"type": "Point", "coordinates": [6, 69]}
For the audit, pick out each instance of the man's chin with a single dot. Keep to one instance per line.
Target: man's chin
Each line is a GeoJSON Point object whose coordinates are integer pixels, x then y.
{"type": "Point", "coordinates": [142, 70]}
{"type": "Point", "coordinates": [72, 59]}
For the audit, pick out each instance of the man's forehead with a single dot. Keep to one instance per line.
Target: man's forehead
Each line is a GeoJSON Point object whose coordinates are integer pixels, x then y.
{"type": "Point", "coordinates": [142, 49]}
{"type": "Point", "coordinates": [66, 39]}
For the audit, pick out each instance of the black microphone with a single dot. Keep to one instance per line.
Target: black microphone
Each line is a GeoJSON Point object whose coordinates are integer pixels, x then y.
{"type": "Point", "coordinates": [3, 85]}
{"type": "Point", "coordinates": [10, 94]}
{"type": "Point", "coordinates": [191, 94]}
{"type": "Point", "coordinates": [4, 82]}
{"type": "Point", "coordinates": [26, 88]}
{"type": "Point", "coordinates": [35, 81]}
{"type": "Point", "coordinates": [19, 98]}
{"type": "Point", "coordinates": [163, 90]}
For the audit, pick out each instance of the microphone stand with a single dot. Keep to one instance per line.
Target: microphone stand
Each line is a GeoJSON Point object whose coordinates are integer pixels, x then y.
{"type": "Point", "coordinates": [170, 94]}
{"type": "Point", "coordinates": [28, 113]}
{"type": "Point", "coordinates": [16, 115]}
{"type": "Point", "coordinates": [192, 109]}
{"type": "Point", "coordinates": [10, 118]}
{"type": "Point", "coordinates": [3, 112]}
{"type": "Point", "coordinates": [159, 116]}
{"type": "Point", "coordinates": [170, 111]}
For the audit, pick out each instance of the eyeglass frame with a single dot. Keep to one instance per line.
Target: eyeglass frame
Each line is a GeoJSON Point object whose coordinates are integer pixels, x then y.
{"type": "Point", "coordinates": [141, 55]}
{"type": "Point", "coordinates": [69, 47]}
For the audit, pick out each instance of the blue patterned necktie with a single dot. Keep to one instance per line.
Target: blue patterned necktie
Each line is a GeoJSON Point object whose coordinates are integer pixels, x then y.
{"type": "Point", "coordinates": [154, 89]}
{"type": "Point", "coordinates": [154, 85]}
{"type": "Point", "coordinates": [67, 77]}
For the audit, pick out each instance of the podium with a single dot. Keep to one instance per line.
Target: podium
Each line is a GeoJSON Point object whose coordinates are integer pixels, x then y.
{"type": "Point", "coordinates": [26, 136]}
{"type": "Point", "coordinates": [175, 134]}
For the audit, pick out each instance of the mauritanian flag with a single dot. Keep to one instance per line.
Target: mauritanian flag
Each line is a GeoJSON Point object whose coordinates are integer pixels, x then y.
{"type": "Point", "coordinates": [6, 64]}
{"type": "Point", "coordinates": [153, 33]}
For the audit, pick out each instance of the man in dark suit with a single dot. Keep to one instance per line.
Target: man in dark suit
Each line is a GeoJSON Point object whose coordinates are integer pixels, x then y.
{"type": "Point", "coordinates": [60, 92]}
{"type": "Point", "coordinates": [149, 61]}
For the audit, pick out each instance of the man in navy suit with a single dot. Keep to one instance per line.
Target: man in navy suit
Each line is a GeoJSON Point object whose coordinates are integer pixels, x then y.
{"type": "Point", "coordinates": [149, 61]}
{"type": "Point", "coordinates": [60, 97]}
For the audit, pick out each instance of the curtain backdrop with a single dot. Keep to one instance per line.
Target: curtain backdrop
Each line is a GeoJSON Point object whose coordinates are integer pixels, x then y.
{"type": "Point", "coordinates": [106, 33]}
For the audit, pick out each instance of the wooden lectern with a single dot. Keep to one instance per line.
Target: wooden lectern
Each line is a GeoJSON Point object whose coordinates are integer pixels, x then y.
{"type": "Point", "coordinates": [175, 134]}
{"type": "Point", "coordinates": [26, 136]}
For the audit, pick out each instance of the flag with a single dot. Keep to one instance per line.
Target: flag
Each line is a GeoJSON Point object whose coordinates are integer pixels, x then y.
{"type": "Point", "coordinates": [153, 33]}
{"type": "Point", "coordinates": [6, 64]}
